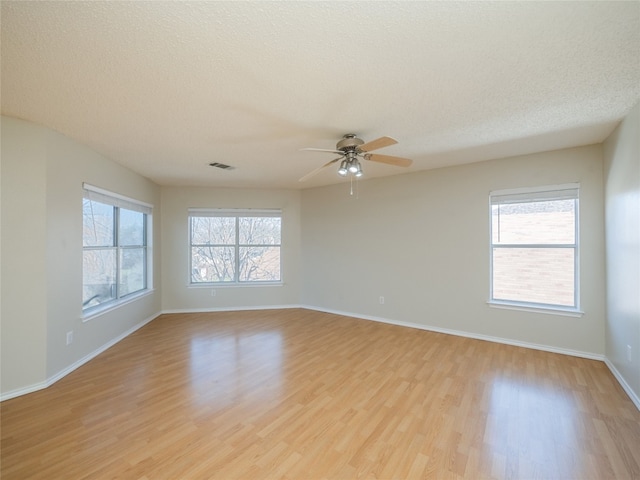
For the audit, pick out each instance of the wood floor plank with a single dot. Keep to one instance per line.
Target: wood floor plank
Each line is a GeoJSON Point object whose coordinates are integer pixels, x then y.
{"type": "Point", "coordinates": [298, 394]}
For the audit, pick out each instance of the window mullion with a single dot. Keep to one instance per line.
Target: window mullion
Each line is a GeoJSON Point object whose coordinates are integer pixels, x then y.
{"type": "Point", "coordinates": [534, 245]}
{"type": "Point", "coordinates": [576, 255]}
{"type": "Point", "coordinates": [237, 252]}
{"type": "Point", "coordinates": [116, 233]}
{"type": "Point", "coordinates": [144, 251]}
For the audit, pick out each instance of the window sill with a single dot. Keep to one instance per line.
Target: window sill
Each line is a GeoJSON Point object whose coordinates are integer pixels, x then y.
{"type": "Point", "coordinates": [99, 311]}
{"type": "Point", "coordinates": [566, 312]}
{"type": "Point", "coordinates": [232, 285]}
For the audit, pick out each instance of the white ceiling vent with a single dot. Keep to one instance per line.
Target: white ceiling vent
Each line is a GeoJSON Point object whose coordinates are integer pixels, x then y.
{"type": "Point", "coordinates": [221, 165]}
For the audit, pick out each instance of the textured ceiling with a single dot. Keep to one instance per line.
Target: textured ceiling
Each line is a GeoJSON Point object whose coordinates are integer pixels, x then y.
{"type": "Point", "coordinates": [165, 88]}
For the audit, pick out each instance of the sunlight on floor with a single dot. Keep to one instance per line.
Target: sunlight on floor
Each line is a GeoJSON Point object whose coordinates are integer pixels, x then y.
{"type": "Point", "coordinates": [227, 369]}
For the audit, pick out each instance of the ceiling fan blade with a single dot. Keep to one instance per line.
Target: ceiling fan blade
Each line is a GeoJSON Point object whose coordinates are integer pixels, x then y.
{"type": "Point", "coordinates": [388, 159]}
{"type": "Point", "coordinates": [320, 150]}
{"type": "Point", "coordinates": [378, 143]}
{"type": "Point", "coordinates": [311, 174]}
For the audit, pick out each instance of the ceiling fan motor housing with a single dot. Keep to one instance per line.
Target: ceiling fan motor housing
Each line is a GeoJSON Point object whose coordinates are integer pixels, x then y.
{"type": "Point", "coordinates": [349, 142]}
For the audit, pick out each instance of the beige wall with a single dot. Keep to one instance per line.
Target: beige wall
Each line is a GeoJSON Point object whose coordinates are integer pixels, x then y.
{"type": "Point", "coordinates": [179, 296]}
{"type": "Point", "coordinates": [421, 241]}
{"type": "Point", "coordinates": [622, 203]}
{"type": "Point", "coordinates": [23, 262]}
{"type": "Point", "coordinates": [43, 173]}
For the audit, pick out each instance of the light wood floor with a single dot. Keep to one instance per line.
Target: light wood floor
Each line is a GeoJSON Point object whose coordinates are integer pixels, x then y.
{"type": "Point", "coordinates": [297, 394]}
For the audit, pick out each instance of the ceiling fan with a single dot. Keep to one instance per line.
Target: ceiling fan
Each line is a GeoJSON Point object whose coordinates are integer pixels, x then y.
{"type": "Point", "coordinates": [351, 149]}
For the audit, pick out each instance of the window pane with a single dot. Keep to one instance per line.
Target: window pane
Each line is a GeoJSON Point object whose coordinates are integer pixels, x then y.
{"type": "Point", "coordinates": [97, 224]}
{"type": "Point", "coordinates": [132, 270]}
{"type": "Point", "coordinates": [259, 230]}
{"type": "Point", "coordinates": [213, 230]}
{"type": "Point", "coordinates": [538, 275]}
{"type": "Point", "coordinates": [131, 227]}
{"type": "Point", "coordinates": [259, 264]}
{"type": "Point", "coordinates": [99, 276]}
{"type": "Point", "coordinates": [549, 222]}
{"type": "Point", "coordinates": [212, 264]}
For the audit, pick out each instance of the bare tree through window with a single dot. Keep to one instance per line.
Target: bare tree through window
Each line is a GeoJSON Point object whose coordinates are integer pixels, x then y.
{"type": "Point", "coordinates": [114, 240]}
{"type": "Point", "coordinates": [235, 249]}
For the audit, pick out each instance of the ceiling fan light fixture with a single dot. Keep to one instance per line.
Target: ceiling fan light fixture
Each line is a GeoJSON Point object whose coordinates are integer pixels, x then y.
{"type": "Point", "coordinates": [354, 166]}
{"type": "Point", "coordinates": [342, 171]}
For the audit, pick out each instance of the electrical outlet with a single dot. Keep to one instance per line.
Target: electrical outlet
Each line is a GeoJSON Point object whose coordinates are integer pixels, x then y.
{"type": "Point", "coordinates": [70, 337]}
{"type": "Point", "coordinates": [213, 292]}
{"type": "Point", "coordinates": [381, 300]}
{"type": "Point", "coordinates": [629, 353]}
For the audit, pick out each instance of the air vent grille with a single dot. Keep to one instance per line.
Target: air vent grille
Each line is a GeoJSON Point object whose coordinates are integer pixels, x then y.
{"type": "Point", "coordinates": [221, 165]}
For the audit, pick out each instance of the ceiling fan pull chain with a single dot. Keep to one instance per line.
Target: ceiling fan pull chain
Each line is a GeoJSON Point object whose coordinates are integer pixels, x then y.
{"type": "Point", "coordinates": [357, 194]}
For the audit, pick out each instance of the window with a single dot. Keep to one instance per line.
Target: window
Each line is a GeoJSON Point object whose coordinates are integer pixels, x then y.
{"type": "Point", "coordinates": [534, 247]}
{"type": "Point", "coordinates": [235, 246]}
{"type": "Point", "coordinates": [115, 244]}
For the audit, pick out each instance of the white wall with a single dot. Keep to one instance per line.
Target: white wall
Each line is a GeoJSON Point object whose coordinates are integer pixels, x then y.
{"type": "Point", "coordinates": [622, 202]}
{"type": "Point", "coordinates": [179, 296]}
{"type": "Point", "coordinates": [42, 254]}
{"type": "Point", "coordinates": [421, 241]}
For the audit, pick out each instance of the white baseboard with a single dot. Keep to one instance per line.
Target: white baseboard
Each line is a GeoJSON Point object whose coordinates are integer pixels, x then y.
{"type": "Point", "coordinates": [623, 383]}
{"type": "Point", "coordinates": [575, 353]}
{"type": "Point", "coordinates": [229, 309]}
{"type": "Point", "coordinates": [460, 333]}
{"type": "Point", "coordinates": [564, 351]}
{"type": "Point", "coordinates": [24, 390]}
{"type": "Point", "coordinates": [66, 371]}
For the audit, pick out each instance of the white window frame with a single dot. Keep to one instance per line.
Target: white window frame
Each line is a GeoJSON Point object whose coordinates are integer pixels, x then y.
{"type": "Point", "coordinates": [533, 194]}
{"type": "Point", "coordinates": [237, 214]}
{"type": "Point", "coordinates": [118, 201]}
